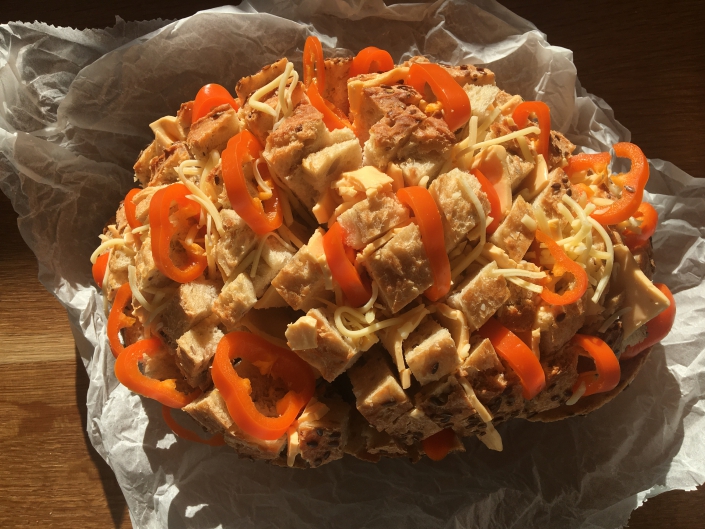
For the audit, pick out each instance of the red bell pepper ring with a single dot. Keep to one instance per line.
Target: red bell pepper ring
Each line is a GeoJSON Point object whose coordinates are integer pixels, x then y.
{"type": "Point", "coordinates": [649, 219]}
{"type": "Point", "coordinates": [428, 219]}
{"type": "Point", "coordinates": [332, 116]}
{"type": "Point", "coordinates": [371, 60]}
{"type": "Point", "coordinates": [163, 232]}
{"type": "Point", "coordinates": [439, 444]}
{"type": "Point", "coordinates": [127, 371]}
{"type": "Point", "coordinates": [185, 433]}
{"type": "Point", "coordinates": [582, 162]}
{"type": "Point", "coordinates": [118, 320]}
{"type": "Point", "coordinates": [314, 66]}
{"type": "Point", "coordinates": [456, 104]}
{"type": "Point", "coordinates": [608, 371]}
{"type": "Point", "coordinates": [131, 209]}
{"type": "Point", "coordinates": [261, 217]}
{"type": "Point", "coordinates": [657, 327]}
{"type": "Point", "coordinates": [632, 183]}
{"type": "Point", "coordinates": [518, 355]}
{"type": "Point", "coordinates": [493, 197]}
{"type": "Point", "coordinates": [99, 267]}
{"type": "Point", "coordinates": [342, 268]}
{"type": "Point", "coordinates": [563, 264]}
{"type": "Point", "coordinates": [236, 391]}
{"type": "Point", "coordinates": [209, 97]}
{"type": "Point", "coordinates": [543, 115]}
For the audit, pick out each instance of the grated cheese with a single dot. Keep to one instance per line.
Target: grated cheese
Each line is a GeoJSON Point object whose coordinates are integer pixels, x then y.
{"type": "Point", "coordinates": [529, 222]}
{"type": "Point", "coordinates": [266, 191]}
{"type": "Point", "coordinates": [474, 254]}
{"type": "Point", "coordinates": [491, 438]}
{"type": "Point", "coordinates": [518, 272]}
{"type": "Point", "coordinates": [198, 195]}
{"type": "Point", "coordinates": [525, 284]}
{"type": "Point", "coordinates": [602, 283]}
{"type": "Point", "coordinates": [106, 280]}
{"type": "Point", "coordinates": [293, 239]}
{"type": "Point", "coordinates": [132, 279]}
{"type": "Point", "coordinates": [609, 321]}
{"type": "Point", "coordinates": [525, 151]}
{"type": "Point", "coordinates": [576, 395]}
{"type": "Point", "coordinates": [293, 449]}
{"type": "Point", "coordinates": [110, 243]}
{"type": "Point", "coordinates": [506, 137]}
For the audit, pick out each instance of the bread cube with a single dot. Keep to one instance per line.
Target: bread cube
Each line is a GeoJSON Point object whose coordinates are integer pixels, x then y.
{"type": "Point", "coordinates": [236, 243]}
{"type": "Point", "coordinates": [196, 348]}
{"type": "Point", "coordinates": [412, 427]}
{"type": "Point", "coordinates": [430, 352]}
{"type": "Point", "coordinates": [213, 131]}
{"type": "Point", "coordinates": [163, 167]}
{"type": "Point", "coordinates": [480, 295]}
{"type": "Point", "coordinates": [192, 303]}
{"type": "Point", "coordinates": [512, 235]}
{"type": "Point", "coordinates": [322, 440]}
{"type": "Point", "coordinates": [370, 218]}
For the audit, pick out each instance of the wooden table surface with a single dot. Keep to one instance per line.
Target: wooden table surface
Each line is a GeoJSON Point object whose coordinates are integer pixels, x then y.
{"type": "Point", "coordinates": [646, 59]}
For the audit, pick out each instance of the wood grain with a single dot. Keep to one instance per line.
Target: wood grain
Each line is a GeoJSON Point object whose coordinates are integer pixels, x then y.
{"type": "Point", "coordinates": [645, 58]}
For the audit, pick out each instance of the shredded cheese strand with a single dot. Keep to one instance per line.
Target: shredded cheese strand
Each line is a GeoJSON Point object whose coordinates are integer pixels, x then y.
{"type": "Point", "coordinates": [609, 321]}
{"type": "Point", "coordinates": [110, 243]}
{"type": "Point", "coordinates": [506, 137]}
{"type": "Point", "coordinates": [576, 396]}
{"type": "Point", "coordinates": [602, 283]}
{"type": "Point", "coordinates": [525, 284]}
{"type": "Point", "coordinates": [132, 279]}
{"type": "Point", "coordinates": [474, 254]}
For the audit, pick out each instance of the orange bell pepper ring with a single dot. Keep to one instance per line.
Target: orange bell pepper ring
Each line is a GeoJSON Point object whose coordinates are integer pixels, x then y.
{"type": "Point", "coordinates": [332, 116]}
{"type": "Point", "coordinates": [563, 264]}
{"type": "Point", "coordinates": [236, 391]}
{"type": "Point", "coordinates": [582, 162]}
{"type": "Point", "coordinates": [210, 97]}
{"type": "Point", "coordinates": [185, 433]}
{"type": "Point", "coordinates": [456, 104]}
{"type": "Point", "coordinates": [117, 320]}
{"type": "Point", "coordinates": [439, 444]}
{"type": "Point", "coordinates": [608, 371]}
{"type": "Point", "coordinates": [371, 60]}
{"type": "Point", "coordinates": [342, 269]}
{"type": "Point", "coordinates": [127, 371]}
{"type": "Point", "coordinates": [131, 209]}
{"type": "Point", "coordinates": [543, 115]}
{"type": "Point", "coordinates": [493, 197]}
{"type": "Point", "coordinates": [164, 231]}
{"type": "Point", "coordinates": [99, 267]}
{"type": "Point", "coordinates": [314, 66]}
{"type": "Point", "coordinates": [657, 327]}
{"type": "Point", "coordinates": [261, 217]}
{"type": "Point", "coordinates": [632, 183]}
{"type": "Point", "coordinates": [649, 219]}
{"type": "Point", "coordinates": [428, 219]}
{"type": "Point", "coordinates": [518, 355]}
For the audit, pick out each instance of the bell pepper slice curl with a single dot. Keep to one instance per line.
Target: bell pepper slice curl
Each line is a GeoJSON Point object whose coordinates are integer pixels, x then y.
{"type": "Point", "coordinates": [563, 264]}
{"type": "Point", "coordinates": [606, 376]}
{"type": "Point", "coordinates": [261, 216]}
{"type": "Point", "coordinates": [428, 219]}
{"type": "Point", "coordinates": [164, 231]}
{"type": "Point", "coordinates": [131, 209]}
{"type": "Point", "coordinates": [127, 371]}
{"type": "Point", "coordinates": [493, 197]}
{"type": "Point", "coordinates": [332, 116]}
{"type": "Point", "coordinates": [99, 267]}
{"type": "Point", "coordinates": [649, 219]}
{"type": "Point", "coordinates": [371, 60]}
{"type": "Point", "coordinates": [209, 97]}
{"type": "Point", "coordinates": [657, 327]}
{"type": "Point", "coordinates": [118, 320]}
{"type": "Point", "coordinates": [438, 445]}
{"type": "Point", "coordinates": [543, 115]}
{"type": "Point", "coordinates": [456, 104]}
{"type": "Point", "coordinates": [342, 268]}
{"type": "Point", "coordinates": [518, 355]}
{"type": "Point", "coordinates": [185, 433]}
{"type": "Point", "coordinates": [314, 66]}
{"type": "Point", "coordinates": [236, 391]}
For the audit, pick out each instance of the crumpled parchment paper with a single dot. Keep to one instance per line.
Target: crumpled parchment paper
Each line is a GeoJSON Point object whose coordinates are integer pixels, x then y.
{"type": "Point", "coordinates": [75, 115]}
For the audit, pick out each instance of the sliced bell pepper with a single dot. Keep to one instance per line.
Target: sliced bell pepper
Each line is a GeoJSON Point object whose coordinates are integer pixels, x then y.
{"type": "Point", "coordinates": [211, 96]}
{"type": "Point", "coordinates": [583, 188]}
{"type": "Point", "coordinates": [493, 197]}
{"type": "Point", "coordinates": [262, 218]}
{"type": "Point", "coordinates": [582, 162]}
{"type": "Point", "coordinates": [236, 391]}
{"type": "Point", "coordinates": [608, 371]}
{"type": "Point", "coordinates": [543, 114]}
{"type": "Point", "coordinates": [332, 116]}
{"type": "Point", "coordinates": [163, 233]}
{"type": "Point", "coordinates": [563, 264]}
{"type": "Point", "coordinates": [314, 66]}
{"type": "Point", "coordinates": [118, 320]}
{"type": "Point", "coordinates": [371, 60]}
{"type": "Point", "coordinates": [439, 444]}
{"type": "Point", "coordinates": [99, 267]}
{"type": "Point", "coordinates": [420, 201]}
{"type": "Point", "coordinates": [342, 268]}
{"type": "Point", "coordinates": [127, 371]}
{"type": "Point", "coordinates": [456, 104]}
{"type": "Point", "coordinates": [185, 433]}
{"type": "Point", "coordinates": [657, 328]}
{"type": "Point", "coordinates": [649, 219]}
{"type": "Point", "coordinates": [518, 355]}
{"type": "Point", "coordinates": [131, 209]}
{"type": "Point", "coordinates": [632, 183]}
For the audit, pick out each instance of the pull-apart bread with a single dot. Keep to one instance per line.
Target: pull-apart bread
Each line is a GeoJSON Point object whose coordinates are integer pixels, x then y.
{"type": "Point", "coordinates": [377, 260]}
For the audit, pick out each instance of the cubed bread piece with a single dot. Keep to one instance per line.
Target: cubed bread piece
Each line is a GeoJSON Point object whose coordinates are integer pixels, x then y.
{"type": "Point", "coordinates": [415, 169]}
{"type": "Point", "coordinates": [430, 352]}
{"type": "Point", "coordinates": [323, 440]}
{"type": "Point", "coordinates": [322, 167]}
{"type": "Point", "coordinates": [247, 85]}
{"type": "Point", "coordinates": [458, 213]}
{"type": "Point", "coordinates": [236, 243]}
{"type": "Point", "coordinates": [196, 348]}
{"type": "Point", "coordinates": [484, 370]}
{"type": "Point", "coordinates": [331, 353]}
{"type": "Point", "coordinates": [512, 235]}
{"type": "Point", "coordinates": [390, 134]}
{"type": "Point", "coordinates": [192, 303]}
{"type": "Point", "coordinates": [163, 168]}
{"type": "Point", "coordinates": [559, 324]}
{"type": "Point", "coordinates": [470, 74]}
{"type": "Point", "coordinates": [552, 195]}
{"type": "Point", "coordinates": [413, 426]}
{"type": "Point", "coordinates": [337, 74]}
{"type": "Point", "coordinates": [432, 136]}
{"type": "Point", "coordinates": [445, 402]}
{"type": "Point", "coordinates": [362, 183]}
{"type": "Point", "coordinates": [379, 397]}
{"type": "Point", "coordinates": [401, 268]}
{"type": "Point", "coordinates": [480, 295]}
{"type": "Point", "coordinates": [559, 148]}
{"type": "Point", "coordinates": [212, 413]}
{"type": "Point", "coordinates": [143, 163]}
{"type": "Point", "coordinates": [142, 200]}
{"type": "Point", "coordinates": [117, 270]}
{"type": "Point", "coordinates": [518, 313]}
{"type": "Point", "coordinates": [481, 99]}
{"type": "Point", "coordinates": [213, 130]}
{"type": "Point", "coordinates": [561, 371]}
{"type": "Point", "coordinates": [376, 102]}
{"type": "Point", "coordinates": [235, 300]}
{"type": "Point", "coordinates": [370, 218]}
{"type": "Point", "coordinates": [146, 271]}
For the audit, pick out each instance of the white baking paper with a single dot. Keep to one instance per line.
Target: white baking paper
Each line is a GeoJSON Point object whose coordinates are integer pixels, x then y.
{"type": "Point", "coordinates": [76, 105]}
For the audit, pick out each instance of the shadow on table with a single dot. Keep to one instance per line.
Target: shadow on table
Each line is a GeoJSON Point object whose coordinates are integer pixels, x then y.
{"type": "Point", "coordinates": [111, 489]}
